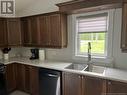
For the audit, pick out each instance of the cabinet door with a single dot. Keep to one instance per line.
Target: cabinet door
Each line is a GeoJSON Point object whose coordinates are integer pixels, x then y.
{"type": "Point", "coordinates": [55, 30]}
{"type": "Point", "coordinates": [124, 28]}
{"type": "Point", "coordinates": [23, 79]}
{"type": "Point", "coordinates": [11, 77]}
{"type": "Point", "coordinates": [14, 33]}
{"type": "Point", "coordinates": [34, 31]}
{"type": "Point", "coordinates": [26, 31]}
{"type": "Point", "coordinates": [43, 31]}
{"type": "Point", "coordinates": [93, 86]}
{"type": "Point", "coordinates": [30, 31]}
{"type": "Point", "coordinates": [116, 88]}
{"type": "Point", "coordinates": [71, 84]}
{"type": "Point", "coordinates": [34, 80]}
{"type": "Point", "coordinates": [3, 33]}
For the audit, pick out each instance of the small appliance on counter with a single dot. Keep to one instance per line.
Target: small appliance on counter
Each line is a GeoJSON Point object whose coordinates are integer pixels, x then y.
{"type": "Point", "coordinates": [35, 54]}
{"type": "Point", "coordinates": [41, 54]}
{"type": "Point", "coordinates": [5, 53]}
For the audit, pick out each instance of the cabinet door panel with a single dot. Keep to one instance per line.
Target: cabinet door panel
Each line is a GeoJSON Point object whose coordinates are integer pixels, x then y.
{"type": "Point", "coordinates": [124, 28]}
{"type": "Point", "coordinates": [34, 30]}
{"type": "Point", "coordinates": [34, 80]}
{"type": "Point", "coordinates": [11, 77]}
{"type": "Point", "coordinates": [20, 77]}
{"type": "Point", "coordinates": [116, 88]}
{"type": "Point", "coordinates": [71, 84]}
{"type": "Point", "coordinates": [14, 33]}
{"type": "Point", "coordinates": [93, 86]}
{"type": "Point", "coordinates": [23, 78]}
{"type": "Point", "coordinates": [55, 32]}
{"type": "Point", "coordinates": [26, 31]}
{"type": "Point", "coordinates": [3, 33]}
{"type": "Point", "coordinates": [43, 31]}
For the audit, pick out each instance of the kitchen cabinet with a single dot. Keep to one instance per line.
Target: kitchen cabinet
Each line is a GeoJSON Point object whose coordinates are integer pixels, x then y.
{"type": "Point", "coordinates": [57, 30]}
{"type": "Point", "coordinates": [44, 31]}
{"type": "Point", "coordinates": [93, 86]}
{"type": "Point", "coordinates": [72, 84]}
{"type": "Point", "coordinates": [30, 31]}
{"type": "Point", "coordinates": [14, 32]}
{"type": "Point", "coordinates": [27, 79]}
{"type": "Point", "coordinates": [47, 30]}
{"type": "Point", "coordinates": [34, 80]}
{"type": "Point", "coordinates": [116, 88]}
{"type": "Point", "coordinates": [21, 73]}
{"type": "Point", "coordinates": [11, 77]}
{"type": "Point", "coordinates": [124, 28]}
{"type": "Point", "coordinates": [3, 32]}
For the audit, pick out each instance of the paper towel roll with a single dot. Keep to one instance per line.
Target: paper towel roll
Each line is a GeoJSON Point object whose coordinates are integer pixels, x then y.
{"type": "Point", "coordinates": [41, 54]}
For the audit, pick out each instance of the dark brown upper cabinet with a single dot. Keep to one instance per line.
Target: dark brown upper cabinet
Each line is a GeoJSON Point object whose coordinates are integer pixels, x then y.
{"type": "Point", "coordinates": [116, 88]}
{"type": "Point", "coordinates": [14, 32]}
{"type": "Point", "coordinates": [3, 32]}
{"type": "Point", "coordinates": [29, 31]}
{"type": "Point", "coordinates": [124, 29]}
{"type": "Point", "coordinates": [47, 30]}
{"type": "Point", "coordinates": [53, 30]}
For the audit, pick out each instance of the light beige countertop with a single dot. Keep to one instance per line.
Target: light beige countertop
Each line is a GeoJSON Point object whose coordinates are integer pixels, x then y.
{"type": "Point", "coordinates": [110, 73]}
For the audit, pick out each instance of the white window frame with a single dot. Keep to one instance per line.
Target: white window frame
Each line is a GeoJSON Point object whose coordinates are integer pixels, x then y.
{"type": "Point", "coordinates": [108, 58]}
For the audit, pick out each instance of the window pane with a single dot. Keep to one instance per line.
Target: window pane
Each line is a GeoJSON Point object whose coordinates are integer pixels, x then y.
{"type": "Point", "coordinates": [97, 42]}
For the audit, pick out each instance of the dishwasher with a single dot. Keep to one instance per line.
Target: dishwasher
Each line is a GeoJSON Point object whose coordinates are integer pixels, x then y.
{"type": "Point", "coordinates": [49, 82]}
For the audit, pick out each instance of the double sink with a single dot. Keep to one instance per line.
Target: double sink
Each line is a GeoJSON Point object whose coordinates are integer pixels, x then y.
{"type": "Point", "coordinates": [87, 68]}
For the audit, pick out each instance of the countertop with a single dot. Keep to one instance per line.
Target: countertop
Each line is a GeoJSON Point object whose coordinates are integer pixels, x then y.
{"type": "Point", "coordinates": [110, 73]}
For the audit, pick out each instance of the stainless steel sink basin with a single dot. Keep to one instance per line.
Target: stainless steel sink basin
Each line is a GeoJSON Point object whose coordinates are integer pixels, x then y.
{"type": "Point", "coordinates": [95, 69]}
{"type": "Point", "coordinates": [88, 68]}
{"type": "Point", "coordinates": [77, 67]}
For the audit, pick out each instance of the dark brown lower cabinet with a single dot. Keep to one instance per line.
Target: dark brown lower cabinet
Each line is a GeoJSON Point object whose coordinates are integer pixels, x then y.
{"type": "Point", "coordinates": [116, 88]}
{"type": "Point", "coordinates": [93, 86]}
{"type": "Point", "coordinates": [22, 77]}
{"type": "Point", "coordinates": [71, 84]}
{"type": "Point", "coordinates": [34, 81]}
{"type": "Point", "coordinates": [11, 77]}
{"type": "Point", "coordinates": [74, 84]}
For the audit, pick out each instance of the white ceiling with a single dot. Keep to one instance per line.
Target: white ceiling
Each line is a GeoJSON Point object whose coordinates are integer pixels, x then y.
{"type": "Point", "coordinates": [23, 4]}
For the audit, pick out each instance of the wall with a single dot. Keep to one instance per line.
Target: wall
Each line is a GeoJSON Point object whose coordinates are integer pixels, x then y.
{"type": "Point", "coordinates": [120, 59]}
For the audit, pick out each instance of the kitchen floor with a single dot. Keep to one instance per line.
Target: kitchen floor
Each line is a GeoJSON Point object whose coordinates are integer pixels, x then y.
{"type": "Point", "coordinates": [19, 93]}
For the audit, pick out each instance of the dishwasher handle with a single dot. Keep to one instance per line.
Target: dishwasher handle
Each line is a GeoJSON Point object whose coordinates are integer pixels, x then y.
{"type": "Point", "coordinates": [52, 75]}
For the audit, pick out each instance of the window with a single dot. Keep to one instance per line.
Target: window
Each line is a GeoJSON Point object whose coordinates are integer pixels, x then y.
{"type": "Point", "coordinates": [95, 28]}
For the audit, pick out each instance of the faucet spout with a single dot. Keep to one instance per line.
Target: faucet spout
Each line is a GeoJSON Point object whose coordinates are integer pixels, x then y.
{"type": "Point", "coordinates": [89, 51]}
{"type": "Point", "coordinates": [89, 63]}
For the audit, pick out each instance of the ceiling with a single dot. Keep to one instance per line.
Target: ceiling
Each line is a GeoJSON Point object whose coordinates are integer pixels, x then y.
{"type": "Point", "coordinates": [22, 4]}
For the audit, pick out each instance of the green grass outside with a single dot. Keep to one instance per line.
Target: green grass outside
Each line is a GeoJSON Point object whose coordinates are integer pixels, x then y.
{"type": "Point", "coordinates": [97, 46]}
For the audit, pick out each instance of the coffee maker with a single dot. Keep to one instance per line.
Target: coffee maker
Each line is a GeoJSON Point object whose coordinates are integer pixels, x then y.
{"type": "Point", "coordinates": [35, 54]}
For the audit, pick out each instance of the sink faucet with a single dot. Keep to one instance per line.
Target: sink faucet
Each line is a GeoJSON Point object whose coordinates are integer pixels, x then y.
{"type": "Point", "coordinates": [89, 63]}
{"type": "Point", "coordinates": [89, 52]}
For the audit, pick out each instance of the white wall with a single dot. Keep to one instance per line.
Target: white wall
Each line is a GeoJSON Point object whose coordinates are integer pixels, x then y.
{"type": "Point", "coordinates": [43, 6]}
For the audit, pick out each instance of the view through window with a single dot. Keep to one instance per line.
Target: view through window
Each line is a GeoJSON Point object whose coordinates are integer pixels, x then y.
{"type": "Point", "coordinates": [92, 29]}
